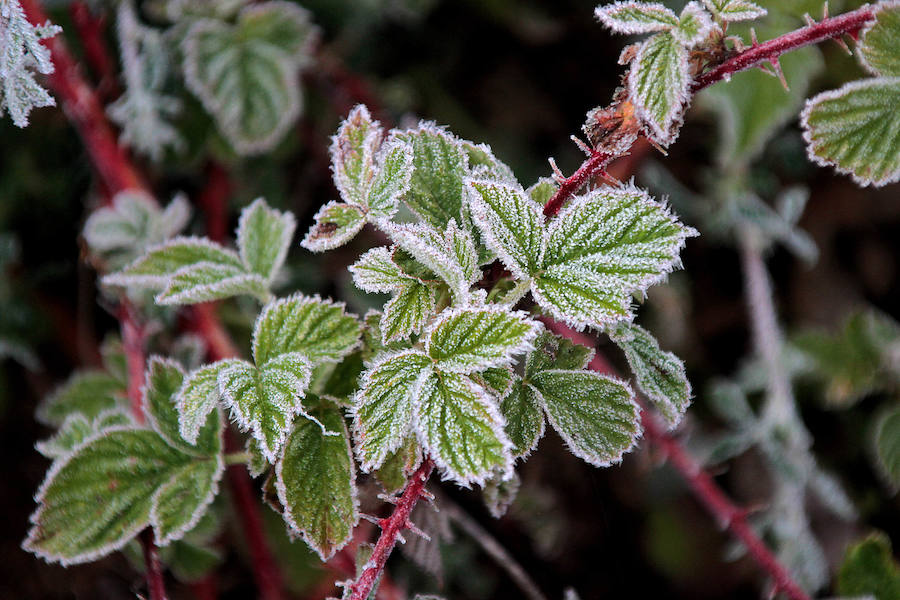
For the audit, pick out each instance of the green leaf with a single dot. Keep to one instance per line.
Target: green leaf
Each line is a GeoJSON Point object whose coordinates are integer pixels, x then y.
{"type": "Point", "coordinates": [263, 238]}
{"type": "Point", "coordinates": [247, 80]}
{"type": "Point", "coordinates": [887, 446]}
{"type": "Point", "coordinates": [74, 430]}
{"type": "Point", "coordinates": [320, 330]}
{"type": "Point", "coordinates": [869, 569]}
{"type": "Point", "coordinates": [484, 165]}
{"type": "Point", "coordinates": [399, 465]}
{"type": "Point", "coordinates": [316, 482]}
{"type": "Point", "coordinates": [878, 41]}
{"type": "Point", "coordinates": [604, 247]}
{"type": "Point", "coordinates": [497, 380]}
{"type": "Point", "coordinates": [266, 399]}
{"type": "Point", "coordinates": [856, 129]}
{"type": "Point", "coordinates": [375, 272]}
{"type": "Point", "coordinates": [383, 406]}
{"type": "Point", "coordinates": [734, 10]}
{"type": "Point", "coordinates": [407, 312]}
{"type": "Point", "coordinates": [198, 396]}
{"type": "Point", "coordinates": [97, 499]}
{"type": "Point", "coordinates": [436, 189]}
{"type": "Point", "coordinates": [694, 25]}
{"type": "Point", "coordinates": [472, 339]}
{"type": "Point", "coordinates": [542, 190]}
{"type": "Point", "coordinates": [392, 179]}
{"type": "Point", "coordinates": [460, 428]}
{"type": "Point", "coordinates": [155, 268]}
{"type": "Point", "coordinates": [555, 352]}
{"type": "Point", "coordinates": [206, 281]}
{"type": "Point", "coordinates": [658, 84]}
{"type": "Point", "coordinates": [596, 415]}
{"type": "Point", "coordinates": [87, 393]}
{"type": "Point", "coordinates": [512, 225]}
{"type": "Point", "coordinates": [336, 224]}
{"type": "Point", "coordinates": [353, 151]}
{"type": "Point", "coordinates": [636, 17]}
{"type": "Point", "coordinates": [524, 418]}
{"type": "Point", "coordinates": [659, 374]}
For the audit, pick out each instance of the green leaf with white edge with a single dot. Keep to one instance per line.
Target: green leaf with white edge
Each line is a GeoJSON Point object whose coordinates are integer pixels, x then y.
{"type": "Point", "coordinates": [462, 248]}
{"type": "Point", "coordinates": [870, 569]}
{"type": "Point", "coordinates": [197, 397]}
{"type": "Point", "coordinates": [887, 446]}
{"type": "Point", "coordinates": [263, 238]}
{"type": "Point", "coordinates": [407, 312]}
{"type": "Point", "coordinates": [206, 281]}
{"type": "Point", "coordinates": [375, 272]}
{"type": "Point", "coordinates": [496, 380]}
{"type": "Point", "coordinates": [602, 248]}
{"type": "Point", "coordinates": [321, 330]}
{"type": "Point", "coordinates": [412, 267]}
{"type": "Point", "coordinates": [383, 407]}
{"type": "Point", "coordinates": [878, 42]}
{"type": "Point", "coordinates": [399, 465]}
{"type": "Point", "coordinates": [467, 340]}
{"type": "Point", "coordinates": [282, 24]}
{"type": "Point", "coordinates": [484, 165]}
{"type": "Point", "coordinates": [555, 352]}
{"type": "Point", "coordinates": [596, 415]}
{"type": "Point", "coordinates": [694, 25]}
{"type": "Point", "coordinates": [74, 430]}
{"type": "Point", "coordinates": [266, 400]}
{"type": "Point", "coordinates": [392, 179]}
{"type": "Point", "coordinates": [461, 429]}
{"type": "Point", "coordinates": [542, 190]}
{"type": "Point", "coordinates": [248, 81]}
{"type": "Point", "coordinates": [436, 189]}
{"type": "Point", "coordinates": [98, 498]}
{"type": "Point", "coordinates": [432, 249]}
{"type": "Point", "coordinates": [336, 224]}
{"type": "Point", "coordinates": [856, 130]}
{"type": "Point", "coordinates": [734, 10]}
{"type": "Point", "coordinates": [316, 481]}
{"type": "Point", "coordinates": [636, 17]}
{"type": "Point", "coordinates": [155, 268]}
{"type": "Point", "coordinates": [512, 225]}
{"type": "Point", "coordinates": [658, 83]}
{"type": "Point", "coordinates": [180, 502]}
{"type": "Point", "coordinates": [521, 408]}
{"type": "Point", "coordinates": [372, 338]}
{"type": "Point", "coordinates": [87, 393]}
{"type": "Point", "coordinates": [353, 151]}
{"type": "Point", "coordinates": [659, 374]}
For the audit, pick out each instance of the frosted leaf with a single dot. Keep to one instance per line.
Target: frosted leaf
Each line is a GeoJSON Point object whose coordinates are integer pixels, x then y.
{"type": "Point", "coordinates": [497, 380]}
{"type": "Point", "coordinates": [636, 17]}
{"type": "Point", "coordinates": [263, 238]}
{"type": "Point", "coordinates": [660, 375]}
{"type": "Point", "coordinates": [512, 225]}
{"type": "Point", "coordinates": [21, 53]}
{"type": "Point", "coordinates": [88, 393]}
{"type": "Point", "coordinates": [353, 151]}
{"type": "Point", "coordinates": [461, 429]}
{"type": "Point", "coordinates": [382, 409]}
{"type": "Point", "coordinates": [658, 83]}
{"type": "Point", "coordinates": [878, 49]}
{"type": "Point", "coordinates": [555, 352]}
{"type": "Point", "coordinates": [462, 247]}
{"type": "Point", "coordinates": [856, 129]}
{"type": "Point", "coordinates": [524, 417]}
{"type": "Point", "coordinates": [542, 190]}
{"type": "Point", "coordinates": [596, 415]}
{"type": "Point", "coordinates": [399, 465]}
{"type": "Point", "coordinates": [734, 10]}
{"type": "Point", "coordinates": [484, 165]}
{"type": "Point", "coordinates": [408, 311]}
{"type": "Point", "coordinates": [198, 396]}
{"type": "Point", "coordinates": [433, 249]}
{"type": "Point", "coordinates": [320, 330]}
{"type": "Point", "coordinates": [694, 25]}
{"type": "Point", "coordinates": [391, 181]}
{"type": "Point", "coordinates": [375, 272]}
{"type": "Point", "coordinates": [205, 281]}
{"type": "Point", "coordinates": [162, 261]}
{"type": "Point", "coordinates": [74, 430]}
{"type": "Point", "coordinates": [472, 339]}
{"type": "Point", "coordinates": [336, 224]}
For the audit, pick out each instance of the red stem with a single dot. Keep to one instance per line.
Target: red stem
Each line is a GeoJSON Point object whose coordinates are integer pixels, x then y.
{"type": "Point", "coordinates": [213, 199]}
{"type": "Point", "coordinates": [848, 23]}
{"type": "Point", "coordinates": [154, 567]}
{"type": "Point", "coordinates": [90, 33]}
{"type": "Point", "coordinates": [391, 527]}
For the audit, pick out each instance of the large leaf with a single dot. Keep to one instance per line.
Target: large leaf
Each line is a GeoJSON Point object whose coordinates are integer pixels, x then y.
{"type": "Point", "coordinates": [263, 238]}
{"type": "Point", "coordinates": [473, 339]}
{"type": "Point", "coordinates": [320, 330]}
{"type": "Point", "coordinates": [87, 393]}
{"type": "Point", "coordinates": [460, 428]}
{"type": "Point", "coordinates": [658, 85]}
{"type": "Point", "coordinates": [155, 268]}
{"type": "Point", "coordinates": [316, 484]}
{"type": "Point", "coordinates": [856, 129]}
{"type": "Point", "coordinates": [246, 75]}
{"type": "Point", "coordinates": [878, 42]}
{"type": "Point", "coordinates": [596, 415]}
{"type": "Point", "coordinates": [206, 281]}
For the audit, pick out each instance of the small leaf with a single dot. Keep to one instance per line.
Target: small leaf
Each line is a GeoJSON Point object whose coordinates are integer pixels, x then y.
{"type": "Point", "coordinates": [856, 129]}
{"type": "Point", "coordinates": [694, 25]}
{"type": "Point", "coordinates": [659, 374]}
{"type": "Point", "coordinates": [484, 165]}
{"type": "Point", "coordinates": [734, 10]}
{"type": "Point", "coordinates": [206, 281]}
{"type": "Point", "coordinates": [198, 396]}
{"type": "Point", "coordinates": [512, 225]}
{"type": "Point", "coordinates": [263, 238]}
{"type": "Point", "coordinates": [433, 249]}
{"type": "Point", "coordinates": [74, 430]}
{"type": "Point", "coordinates": [318, 329]}
{"type": "Point", "coordinates": [543, 189]}
{"type": "Point", "coordinates": [596, 415]}
{"type": "Point", "coordinates": [878, 41]}
{"type": "Point", "coordinates": [636, 17]}
{"type": "Point", "coordinates": [353, 151]}
{"type": "Point", "coordinates": [497, 380]}
{"type": "Point", "coordinates": [162, 261]}
{"type": "Point", "coordinates": [524, 418]}
{"type": "Point", "coordinates": [265, 400]}
{"type": "Point", "coordinates": [658, 85]}
{"type": "Point", "coordinates": [407, 312]}
{"type": "Point", "coordinates": [869, 569]}
{"type": "Point", "coordinates": [399, 465]}
{"type": "Point", "coordinates": [887, 446]}
{"type": "Point", "coordinates": [391, 181]}
{"type": "Point", "coordinates": [316, 482]}
{"type": "Point", "coordinates": [382, 408]}
{"type": "Point", "coordinates": [87, 393]}
{"type": "Point", "coordinates": [336, 224]}
{"type": "Point", "coordinates": [473, 339]}
{"type": "Point", "coordinates": [461, 429]}
{"type": "Point", "coordinates": [555, 352]}
{"type": "Point", "coordinates": [375, 272]}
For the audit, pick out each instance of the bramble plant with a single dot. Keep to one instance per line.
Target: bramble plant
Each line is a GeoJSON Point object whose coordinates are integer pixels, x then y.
{"type": "Point", "coordinates": [484, 281]}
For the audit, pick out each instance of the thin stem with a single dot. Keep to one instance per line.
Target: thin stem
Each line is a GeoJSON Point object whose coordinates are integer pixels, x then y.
{"type": "Point", "coordinates": [833, 27]}
{"type": "Point", "coordinates": [391, 527]}
{"type": "Point", "coordinates": [493, 548]}
{"type": "Point", "coordinates": [155, 582]}
{"type": "Point", "coordinates": [90, 34]}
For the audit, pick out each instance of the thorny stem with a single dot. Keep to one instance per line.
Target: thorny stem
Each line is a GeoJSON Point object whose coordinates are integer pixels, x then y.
{"type": "Point", "coordinates": [391, 527]}
{"type": "Point", "coordinates": [768, 52]}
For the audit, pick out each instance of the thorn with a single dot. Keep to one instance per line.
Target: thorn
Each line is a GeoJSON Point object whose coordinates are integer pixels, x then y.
{"type": "Point", "coordinates": [825, 10]}
{"type": "Point", "coordinates": [777, 66]}
{"type": "Point", "coordinates": [658, 147]}
{"type": "Point", "coordinates": [581, 145]}
{"type": "Point", "coordinates": [389, 498]}
{"type": "Point", "coordinates": [809, 20]}
{"type": "Point", "coordinates": [753, 41]}
{"type": "Point", "coordinates": [426, 495]}
{"type": "Point", "coordinates": [557, 174]}
{"type": "Point", "coordinates": [609, 179]}
{"type": "Point", "coordinates": [840, 42]}
{"type": "Point", "coordinates": [372, 519]}
{"type": "Point", "coordinates": [401, 539]}
{"type": "Point", "coordinates": [409, 525]}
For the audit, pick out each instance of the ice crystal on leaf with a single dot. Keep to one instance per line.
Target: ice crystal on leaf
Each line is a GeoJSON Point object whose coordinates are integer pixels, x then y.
{"type": "Point", "coordinates": [734, 10]}
{"type": "Point", "coordinates": [636, 17]}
